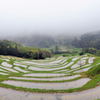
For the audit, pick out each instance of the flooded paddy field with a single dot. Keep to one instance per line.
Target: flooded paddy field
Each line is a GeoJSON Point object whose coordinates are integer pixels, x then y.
{"type": "Point", "coordinates": [53, 75]}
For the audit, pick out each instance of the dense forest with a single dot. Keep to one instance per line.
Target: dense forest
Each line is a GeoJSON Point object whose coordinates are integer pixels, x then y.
{"type": "Point", "coordinates": [32, 46]}
{"type": "Point", "coordinates": [16, 49]}
{"type": "Point", "coordinates": [42, 40]}
{"type": "Point", "coordinates": [90, 43]}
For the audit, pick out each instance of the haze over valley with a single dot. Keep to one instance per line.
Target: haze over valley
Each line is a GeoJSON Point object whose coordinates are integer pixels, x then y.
{"type": "Point", "coordinates": [49, 50]}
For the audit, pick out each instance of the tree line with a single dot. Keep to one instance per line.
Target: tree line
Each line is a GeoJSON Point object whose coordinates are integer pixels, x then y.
{"type": "Point", "coordinates": [16, 49]}
{"type": "Point", "coordinates": [90, 43]}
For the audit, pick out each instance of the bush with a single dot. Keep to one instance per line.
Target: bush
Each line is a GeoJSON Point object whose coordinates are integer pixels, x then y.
{"type": "Point", "coordinates": [15, 49]}
{"type": "Point", "coordinates": [81, 53]}
{"type": "Point", "coordinates": [94, 71]}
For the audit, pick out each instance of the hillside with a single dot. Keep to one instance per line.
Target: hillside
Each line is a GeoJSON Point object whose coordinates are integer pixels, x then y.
{"type": "Point", "coordinates": [16, 49]}
{"type": "Point", "coordinates": [42, 40]}
{"type": "Point", "coordinates": [57, 74]}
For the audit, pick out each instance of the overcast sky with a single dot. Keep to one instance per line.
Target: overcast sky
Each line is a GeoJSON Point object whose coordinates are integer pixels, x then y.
{"type": "Point", "coordinates": [49, 16]}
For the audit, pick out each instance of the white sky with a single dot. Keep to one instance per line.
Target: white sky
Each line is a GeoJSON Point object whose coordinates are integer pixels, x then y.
{"type": "Point", "coordinates": [49, 16]}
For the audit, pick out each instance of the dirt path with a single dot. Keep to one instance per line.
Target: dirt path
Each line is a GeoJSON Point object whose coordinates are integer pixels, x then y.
{"type": "Point", "coordinates": [8, 94]}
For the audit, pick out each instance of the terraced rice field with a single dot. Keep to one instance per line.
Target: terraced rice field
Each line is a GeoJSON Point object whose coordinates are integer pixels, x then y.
{"type": "Point", "coordinates": [57, 74]}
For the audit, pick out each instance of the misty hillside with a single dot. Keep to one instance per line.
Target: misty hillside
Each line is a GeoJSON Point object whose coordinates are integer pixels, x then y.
{"type": "Point", "coordinates": [87, 40]}
{"type": "Point", "coordinates": [42, 41]}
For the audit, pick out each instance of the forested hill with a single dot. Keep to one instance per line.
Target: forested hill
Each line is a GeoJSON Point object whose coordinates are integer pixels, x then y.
{"type": "Point", "coordinates": [90, 43]}
{"type": "Point", "coordinates": [43, 41]}
{"type": "Point", "coordinates": [15, 49]}
{"type": "Point", "coordinates": [89, 40]}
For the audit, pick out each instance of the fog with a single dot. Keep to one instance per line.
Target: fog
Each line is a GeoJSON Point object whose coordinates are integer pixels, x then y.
{"type": "Point", "coordinates": [49, 16]}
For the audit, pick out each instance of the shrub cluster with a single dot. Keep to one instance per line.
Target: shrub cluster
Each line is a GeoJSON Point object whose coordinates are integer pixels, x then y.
{"type": "Point", "coordinates": [91, 51]}
{"type": "Point", "coordinates": [94, 70]}
{"type": "Point", "coordinates": [15, 49]}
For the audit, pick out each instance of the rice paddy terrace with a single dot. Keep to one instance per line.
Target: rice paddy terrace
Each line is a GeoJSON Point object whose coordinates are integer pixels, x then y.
{"type": "Point", "coordinates": [52, 75]}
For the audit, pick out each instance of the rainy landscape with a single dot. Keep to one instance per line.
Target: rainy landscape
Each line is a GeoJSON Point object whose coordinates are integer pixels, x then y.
{"type": "Point", "coordinates": [49, 50]}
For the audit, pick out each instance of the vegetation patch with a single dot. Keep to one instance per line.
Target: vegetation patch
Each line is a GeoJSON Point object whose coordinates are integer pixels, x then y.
{"type": "Point", "coordinates": [56, 67]}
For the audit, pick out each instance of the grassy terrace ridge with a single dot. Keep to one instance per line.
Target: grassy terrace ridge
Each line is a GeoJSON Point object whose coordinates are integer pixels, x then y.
{"type": "Point", "coordinates": [87, 66]}
{"type": "Point", "coordinates": [45, 81]}
{"type": "Point", "coordinates": [85, 87]}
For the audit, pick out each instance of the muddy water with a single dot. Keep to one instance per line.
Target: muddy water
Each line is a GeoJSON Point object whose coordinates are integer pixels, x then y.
{"type": "Point", "coordinates": [56, 86]}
